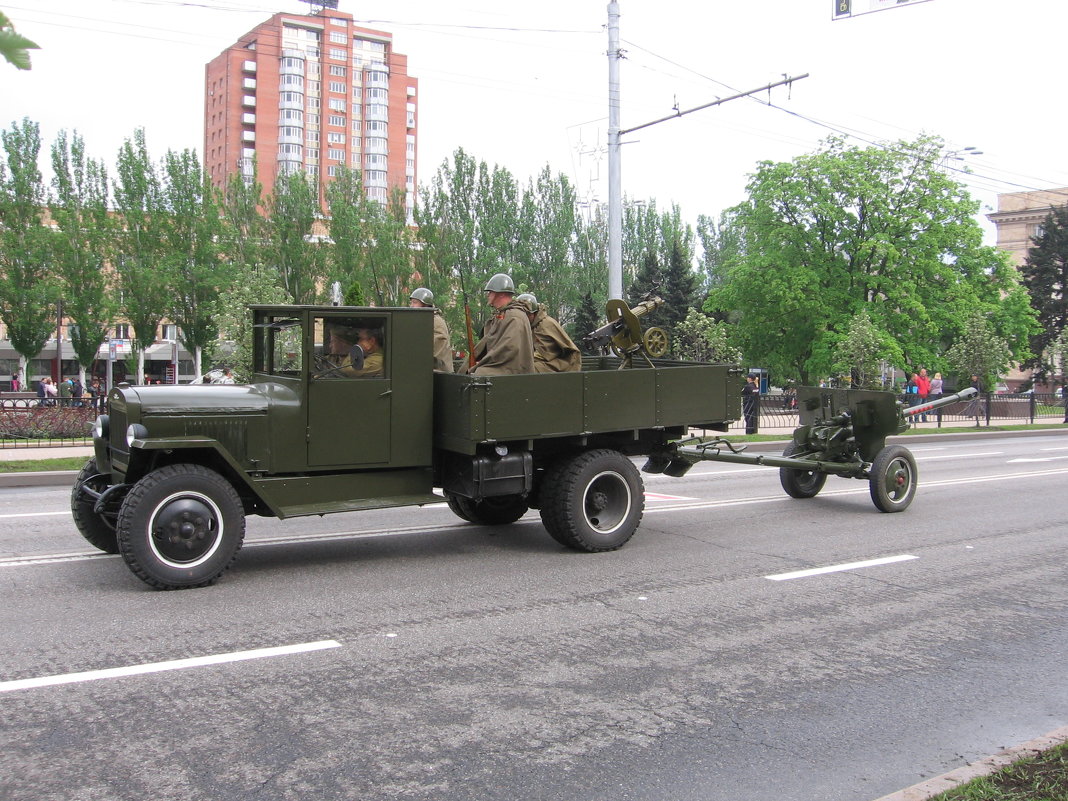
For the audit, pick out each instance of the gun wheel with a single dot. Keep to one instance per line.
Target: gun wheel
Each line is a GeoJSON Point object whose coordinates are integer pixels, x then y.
{"type": "Point", "coordinates": [892, 479]}
{"type": "Point", "coordinates": [800, 483]}
{"type": "Point", "coordinates": [656, 342]}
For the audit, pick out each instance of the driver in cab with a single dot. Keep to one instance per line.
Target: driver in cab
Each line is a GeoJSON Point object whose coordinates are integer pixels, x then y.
{"type": "Point", "coordinates": [356, 353]}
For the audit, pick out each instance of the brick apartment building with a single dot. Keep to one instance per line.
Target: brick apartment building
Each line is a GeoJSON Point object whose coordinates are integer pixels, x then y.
{"type": "Point", "coordinates": [312, 92]}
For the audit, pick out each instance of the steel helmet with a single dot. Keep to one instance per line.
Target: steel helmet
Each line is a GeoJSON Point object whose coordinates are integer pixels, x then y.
{"type": "Point", "coordinates": [501, 282]}
{"type": "Point", "coordinates": [423, 295]}
{"type": "Point", "coordinates": [529, 299]}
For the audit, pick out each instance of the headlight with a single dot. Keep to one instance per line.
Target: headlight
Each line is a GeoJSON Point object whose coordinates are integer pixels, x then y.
{"type": "Point", "coordinates": [135, 431]}
{"type": "Point", "coordinates": [100, 427]}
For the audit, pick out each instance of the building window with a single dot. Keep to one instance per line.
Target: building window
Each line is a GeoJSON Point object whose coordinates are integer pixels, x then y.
{"type": "Point", "coordinates": [356, 142]}
{"type": "Point", "coordinates": [377, 94]}
{"type": "Point", "coordinates": [168, 332]}
{"type": "Point", "coordinates": [337, 104]}
{"type": "Point", "coordinates": [339, 37]}
{"type": "Point", "coordinates": [336, 120]}
{"type": "Point", "coordinates": [334, 154]}
{"type": "Point", "coordinates": [331, 171]}
{"type": "Point", "coordinates": [338, 70]}
{"type": "Point", "coordinates": [313, 136]}
{"type": "Point", "coordinates": [335, 138]}
{"type": "Point", "coordinates": [338, 54]}
{"type": "Point", "coordinates": [339, 87]}
{"type": "Point", "coordinates": [375, 127]}
{"type": "Point", "coordinates": [312, 170]}
{"type": "Point", "coordinates": [313, 153]}
{"type": "Point", "coordinates": [313, 103]}
{"type": "Point", "coordinates": [122, 331]}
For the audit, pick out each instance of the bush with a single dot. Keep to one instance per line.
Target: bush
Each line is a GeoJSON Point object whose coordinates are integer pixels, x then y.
{"type": "Point", "coordinates": [47, 422]}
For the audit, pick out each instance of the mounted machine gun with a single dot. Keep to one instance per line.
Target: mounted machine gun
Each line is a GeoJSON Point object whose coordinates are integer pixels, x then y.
{"type": "Point", "coordinates": [623, 332]}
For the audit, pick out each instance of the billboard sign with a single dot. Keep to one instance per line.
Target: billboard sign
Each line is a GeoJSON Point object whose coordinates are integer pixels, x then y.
{"type": "Point", "coordinates": [854, 8]}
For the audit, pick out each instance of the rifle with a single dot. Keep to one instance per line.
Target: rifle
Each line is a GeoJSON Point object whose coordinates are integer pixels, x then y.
{"type": "Point", "coordinates": [467, 318]}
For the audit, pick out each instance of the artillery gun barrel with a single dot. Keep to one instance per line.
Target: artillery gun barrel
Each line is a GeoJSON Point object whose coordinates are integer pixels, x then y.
{"type": "Point", "coordinates": [945, 400]}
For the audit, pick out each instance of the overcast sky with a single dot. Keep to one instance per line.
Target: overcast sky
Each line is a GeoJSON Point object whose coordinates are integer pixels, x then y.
{"type": "Point", "coordinates": [525, 85]}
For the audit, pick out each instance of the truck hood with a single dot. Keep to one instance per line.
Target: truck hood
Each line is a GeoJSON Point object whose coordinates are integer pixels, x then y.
{"type": "Point", "coordinates": [198, 399]}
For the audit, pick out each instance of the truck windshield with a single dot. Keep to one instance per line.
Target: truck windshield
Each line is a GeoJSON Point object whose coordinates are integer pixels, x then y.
{"type": "Point", "coordinates": [278, 350]}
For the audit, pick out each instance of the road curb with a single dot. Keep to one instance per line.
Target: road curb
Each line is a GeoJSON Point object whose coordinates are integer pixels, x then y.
{"type": "Point", "coordinates": [984, 767]}
{"type": "Point", "coordinates": [50, 478]}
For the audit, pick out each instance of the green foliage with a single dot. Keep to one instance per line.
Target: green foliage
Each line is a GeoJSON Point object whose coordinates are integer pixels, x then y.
{"type": "Point", "coordinates": [699, 338]}
{"type": "Point", "coordinates": [140, 243]}
{"type": "Point", "coordinates": [83, 246]}
{"type": "Point", "coordinates": [881, 228]}
{"type": "Point", "coordinates": [1045, 274]}
{"type": "Point", "coordinates": [979, 351]}
{"type": "Point", "coordinates": [13, 46]}
{"type": "Point", "coordinates": [293, 249]}
{"type": "Point", "coordinates": [28, 289]}
{"type": "Point", "coordinates": [354, 295]}
{"type": "Point", "coordinates": [862, 351]}
{"type": "Point", "coordinates": [587, 319]}
{"type": "Point", "coordinates": [677, 285]}
{"type": "Point", "coordinates": [251, 284]}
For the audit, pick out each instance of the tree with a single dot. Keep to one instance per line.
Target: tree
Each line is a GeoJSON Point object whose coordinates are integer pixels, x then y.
{"type": "Point", "coordinates": [250, 284]}
{"type": "Point", "coordinates": [85, 232]}
{"type": "Point", "coordinates": [293, 248]}
{"type": "Point", "coordinates": [548, 209]}
{"type": "Point", "coordinates": [979, 351]}
{"type": "Point", "coordinates": [862, 352]}
{"type": "Point", "coordinates": [140, 245]}
{"type": "Point", "coordinates": [676, 285]}
{"type": "Point", "coordinates": [244, 227]}
{"type": "Point", "coordinates": [13, 47]}
{"type": "Point", "coordinates": [587, 319]}
{"type": "Point", "coordinates": [390, 250]}
{"type": "Point", "coordinates": [881, 228]}
{"type": "Point", "coordinates": [350, 234]}
{"type": "Point", "coordinates": [702, 339]}
{"type": "Point", "coordinates": [28, 290]}
{"type": "Point", "coordinates": [1045, 275]}
{"type": "Point", "coordinates": [192, 268]}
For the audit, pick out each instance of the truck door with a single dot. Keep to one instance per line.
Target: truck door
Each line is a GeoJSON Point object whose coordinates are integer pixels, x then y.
{"type": "Point", "coordinates": [350, 391]}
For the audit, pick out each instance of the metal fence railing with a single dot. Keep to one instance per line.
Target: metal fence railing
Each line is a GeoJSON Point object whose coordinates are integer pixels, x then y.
{"type": "Point", "coordinates": [27, 421]}
{"type": "Point", "coordinates": [778, 412]}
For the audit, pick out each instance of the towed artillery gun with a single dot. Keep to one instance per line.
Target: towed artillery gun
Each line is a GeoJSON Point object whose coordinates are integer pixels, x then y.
{"type": "Point", "coordinates": [843, 432]}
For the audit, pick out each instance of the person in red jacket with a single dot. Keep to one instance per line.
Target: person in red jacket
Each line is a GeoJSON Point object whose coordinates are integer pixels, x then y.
{"type": "Point", "coordinates": [923, 389]}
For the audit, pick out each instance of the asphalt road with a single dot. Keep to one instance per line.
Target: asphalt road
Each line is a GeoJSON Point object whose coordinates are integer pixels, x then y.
{"type": "Point", "coordinates": [420, 657]}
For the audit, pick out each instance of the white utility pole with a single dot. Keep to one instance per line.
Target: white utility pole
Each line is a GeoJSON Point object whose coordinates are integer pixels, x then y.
{"type": "Point", "coordinates": [615, 182]}
{"type": "Point", "coordinates": [615, 134]}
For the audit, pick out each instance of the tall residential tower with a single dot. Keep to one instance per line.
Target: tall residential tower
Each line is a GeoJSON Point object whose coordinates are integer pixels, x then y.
{"type": "Point", "coordinates": [312, 92]}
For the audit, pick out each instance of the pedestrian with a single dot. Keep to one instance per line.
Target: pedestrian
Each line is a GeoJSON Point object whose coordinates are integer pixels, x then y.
{"type": "Point", "coordinates": [923, 389]}
{"type": "Point", "coordinates": [15, 382]}
{"type": "Point", "coordinates": [751, 403]}
{"type": "Point", "coordinates": [64, 392]}
{"type": "Point", "coordinates": [50, 391]}
{"type": "Point", "coordinates": [424, 298]}
{"type": "Point", "coordinates": [76, 392]}
{"type": "Point", "coordinates": [507, 344]}
{"type": "Point", "coordinates": [227, 377]}
{"type": "Point", "coordinates": [554, 350]}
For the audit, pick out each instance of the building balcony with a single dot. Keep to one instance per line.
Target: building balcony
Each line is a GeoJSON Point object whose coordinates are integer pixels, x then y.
{"type": "Point", "coordinates": [248, 136]}
{"type": "Point", "coordinates": [377, 113]}
{"type": "Point", "coordinates": [248, 118]}
{"type": "Point", "coordinates": [289, 102]}
{"type": "Point", "coordinates": [248, 66]}
{"type": "Point", "coordinates": [249, 84]}
{"type": "Point", "coordinates": [291, 139]}
{"type": "Point", "coordinates": [249, 101]}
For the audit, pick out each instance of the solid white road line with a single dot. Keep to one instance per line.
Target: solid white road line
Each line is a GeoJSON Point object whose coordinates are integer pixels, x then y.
{"type": "Point", "coordinates": [819, 571]}
{"type": "Point", "coordinates": [158, 667]}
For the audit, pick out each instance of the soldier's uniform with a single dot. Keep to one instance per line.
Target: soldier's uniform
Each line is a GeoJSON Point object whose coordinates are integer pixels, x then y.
{"type": "Point", "coordinates": [554, 351]}
{"type": "Point", "coordinates": [442, 343]}
{"type": "Point", "coordinates": [507, 345]}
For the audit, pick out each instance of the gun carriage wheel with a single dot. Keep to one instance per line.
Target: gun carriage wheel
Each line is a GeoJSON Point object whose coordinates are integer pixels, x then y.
{"type": "Point", "coordinates": [656, 342]}
{"type": "Point", "coordinates": [892, 479]}
{"type": "Point", "coordinates": [800, 483]}
{"type": "Point", "coordinates": [97, 527]}
{"type": "Point", "coordinates": [592, 501]}
{"type": "Point", "coordinates": [496, 511]}
{"type": "Point", "coordinates": [180, 526]}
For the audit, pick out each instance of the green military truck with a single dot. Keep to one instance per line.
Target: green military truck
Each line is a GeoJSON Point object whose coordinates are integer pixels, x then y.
{"type": "Point", "coordinates": [176, 469]}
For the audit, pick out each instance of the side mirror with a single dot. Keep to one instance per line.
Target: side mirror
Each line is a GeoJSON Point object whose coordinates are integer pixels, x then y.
{"type": "Point", "coordinates": [356, 357]}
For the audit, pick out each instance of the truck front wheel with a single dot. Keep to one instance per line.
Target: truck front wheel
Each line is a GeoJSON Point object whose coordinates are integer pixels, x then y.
{"type": "Point", "coordinates": [98, 529]}
{"type": "Point", "coordinates": [497, 511]}
{"type": "Point", "coordinates": [593, 501]}
{"type": "Point", "coordinates": [180, 526]}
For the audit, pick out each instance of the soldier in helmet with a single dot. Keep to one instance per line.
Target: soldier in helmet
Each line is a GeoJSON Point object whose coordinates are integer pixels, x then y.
{"type": "Point", "coordinates": [442, 343]}
{"type": "Point", "coordinates": [507, 346]}
{"type": "Point", "coordinates": [554, 351]}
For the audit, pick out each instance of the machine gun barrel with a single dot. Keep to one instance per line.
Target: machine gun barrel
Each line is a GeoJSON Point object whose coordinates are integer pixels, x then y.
{"type": "Point", "coordinates": [945, 400]}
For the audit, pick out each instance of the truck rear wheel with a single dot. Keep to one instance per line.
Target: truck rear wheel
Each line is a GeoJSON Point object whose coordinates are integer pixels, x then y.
{"type": "Point", "coordinates": [98, 529]}
{"type": "Point", "coordinates": [180, 526]}
{"type": "Point", "coordinates": [498, 511]}
{"type": "Point", "coordinates": [892, 479]}
{"type": "Point", "coordinates": [800, 483]}
{"type": "Point", "coordinates": [593, 501]}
